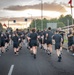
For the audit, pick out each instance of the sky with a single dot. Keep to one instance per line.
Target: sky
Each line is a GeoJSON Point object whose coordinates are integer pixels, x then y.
{"type": "Point", "coordinates": [32, 8]}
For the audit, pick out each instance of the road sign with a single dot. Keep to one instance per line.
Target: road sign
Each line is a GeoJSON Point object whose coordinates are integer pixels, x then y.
{"type": "Point", "coordinates": [52, 25]}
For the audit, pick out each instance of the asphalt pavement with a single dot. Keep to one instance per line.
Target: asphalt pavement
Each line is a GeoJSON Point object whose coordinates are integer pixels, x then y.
{"type": "Point", "coordinates": [44, 64]}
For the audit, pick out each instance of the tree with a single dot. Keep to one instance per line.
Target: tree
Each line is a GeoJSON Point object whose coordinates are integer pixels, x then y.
{"type": "Point", "coordinates": [38, 24]}
{"type": "Point", "coordinates": [54, 20]}
{"type": "Point", "coordinates": [1, 27]}
{"type": "Point", "coordinates": [65, 19]}
{"type": "Point", "coordinates": [45, 21]}
{"type": "Point", "coordinates": [60, 24]}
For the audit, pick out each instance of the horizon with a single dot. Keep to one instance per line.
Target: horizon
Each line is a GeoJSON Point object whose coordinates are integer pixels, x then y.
{"type": "Point", "coordinates": [32, 9]}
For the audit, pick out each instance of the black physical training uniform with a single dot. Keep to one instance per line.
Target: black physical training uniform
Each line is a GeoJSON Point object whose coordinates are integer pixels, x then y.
{"type": "Point", "coordinates": [33, 40]}
{"type": "Point", "coordinates": [49, 38]}
{"type": "Point", "coordinates": [57, 38]}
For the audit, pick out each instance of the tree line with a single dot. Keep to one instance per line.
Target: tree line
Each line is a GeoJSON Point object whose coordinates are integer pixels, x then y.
{"type": "Point", "coordinates": [61, 22]}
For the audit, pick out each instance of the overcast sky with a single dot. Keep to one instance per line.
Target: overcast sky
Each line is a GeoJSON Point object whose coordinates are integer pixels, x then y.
{"type": "Point", "coordinates": [31, 9]}
{"type": "Point", "coordinates": [20, 8]}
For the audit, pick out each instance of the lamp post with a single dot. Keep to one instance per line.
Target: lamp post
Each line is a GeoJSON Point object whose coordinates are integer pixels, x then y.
{"type": "Point", "coordinates": [71, 6]}
{"type": "Point", "coordinates": [42, 14]}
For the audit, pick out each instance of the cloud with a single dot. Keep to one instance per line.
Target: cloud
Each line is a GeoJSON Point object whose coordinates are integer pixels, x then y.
{"type": "Point", "coordinates": [22, 19]}
{"type": "Point", "coordinates": [46, 7]}
{"type": "Point", "coordinates": [7, 3]}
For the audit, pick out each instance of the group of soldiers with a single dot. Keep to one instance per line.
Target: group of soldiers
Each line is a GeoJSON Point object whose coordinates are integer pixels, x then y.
{"type": "Point", "coordinates": [44, 39]}
{"type": "Point", "coordinates": [70, 36]}
{"type": "Point", "coordinates": [8, 38]}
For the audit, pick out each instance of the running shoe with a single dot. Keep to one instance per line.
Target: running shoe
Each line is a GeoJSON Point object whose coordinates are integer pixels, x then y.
{"type": "Point", "coordinates": [59, 58]}
{"type": "Point", "coordinates": [34, 56]}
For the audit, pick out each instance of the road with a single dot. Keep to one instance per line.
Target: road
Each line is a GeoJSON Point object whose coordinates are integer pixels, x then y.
{"type": "Point", "coordinates": [25, 64]}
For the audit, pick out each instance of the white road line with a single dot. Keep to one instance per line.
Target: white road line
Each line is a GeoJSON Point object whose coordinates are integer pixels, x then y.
{"type": "Point", "coordinates": [11, 70]}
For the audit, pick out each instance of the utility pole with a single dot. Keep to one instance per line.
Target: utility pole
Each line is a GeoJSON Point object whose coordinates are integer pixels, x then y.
{"type": "Point", "coordinates": [41, 14]}
{"type": "Point", "coordinates": [71, 6]}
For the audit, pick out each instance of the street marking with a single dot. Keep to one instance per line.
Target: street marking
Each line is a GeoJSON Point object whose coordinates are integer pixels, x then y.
{"type": "Point", "coordinates": [11, 70]}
